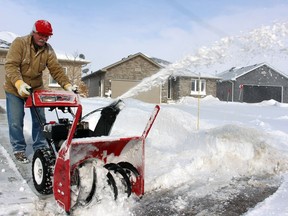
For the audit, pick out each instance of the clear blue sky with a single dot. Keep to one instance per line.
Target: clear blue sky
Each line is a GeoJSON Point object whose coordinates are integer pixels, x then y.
{"type": "Point", "coordinates": [106, 31]}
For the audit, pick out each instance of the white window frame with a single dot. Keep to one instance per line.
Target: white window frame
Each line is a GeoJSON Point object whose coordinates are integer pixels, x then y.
{"type": "Point", "coordinates": [195, 87]}
{"type": "Point", "coordinates": [52, 82]}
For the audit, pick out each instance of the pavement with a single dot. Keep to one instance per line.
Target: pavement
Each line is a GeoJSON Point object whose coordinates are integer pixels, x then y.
{"type": "Point", "coordinates": [16, 194]}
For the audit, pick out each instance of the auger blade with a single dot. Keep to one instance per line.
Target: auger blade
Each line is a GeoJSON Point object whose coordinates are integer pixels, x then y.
{"type": "Point", "coordinates": [112, 183]}
{"type": "Point", "coordinates": [118, 169]}
{"type": "Point", "coordinates": [93, 189]}
{"type": "Point", "coordinates": [85, 186]}
{"type": "Point", "coordinates": [129, 167]}
{"type": "Point", "coordinates": [74, 187]}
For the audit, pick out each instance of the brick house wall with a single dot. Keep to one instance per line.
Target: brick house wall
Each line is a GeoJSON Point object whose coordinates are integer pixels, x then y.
{"type": "Point", "coordinates": [164, 93]}
{"type": "Point", "coordinates": [136, 68]}
{"type": "Point", "coordinates": [132, 69]}
{"type": "Point", "coordinates": [182, 87]}
{"type": "Point", "coordinates": [211, 87]}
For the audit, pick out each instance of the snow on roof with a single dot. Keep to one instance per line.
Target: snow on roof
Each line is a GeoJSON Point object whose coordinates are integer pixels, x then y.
{"type": "Point", "coordinates": [70, 57]}
{"type": "Point", "coordinates": [158, 63]}
{"type": "Point", "coordinates": [190, 72]}
{"type": "Point", "coordinates": [161, 62]}
{"type": "Point", "coordinates": [234, 72]}
{"type": "Point", "coordinates": [6, 38]}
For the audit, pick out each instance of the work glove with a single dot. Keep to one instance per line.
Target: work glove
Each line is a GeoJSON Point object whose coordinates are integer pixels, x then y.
{"type": "Point", "coordinates": [22, 88]}
{"type": "Point", "coordinates": [69, 87]}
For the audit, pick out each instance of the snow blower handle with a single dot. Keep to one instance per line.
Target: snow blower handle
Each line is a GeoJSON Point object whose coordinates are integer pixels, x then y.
{"type": "Point", "coordinates": [75, 89]}
{"type": "Point", "coordinates": [71, 88]}
{"type": "Point", "coordinates": [30, 90]}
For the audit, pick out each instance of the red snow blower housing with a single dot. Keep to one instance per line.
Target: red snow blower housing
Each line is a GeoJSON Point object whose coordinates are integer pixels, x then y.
{"type": "Point", "coordinates": [76, 152]}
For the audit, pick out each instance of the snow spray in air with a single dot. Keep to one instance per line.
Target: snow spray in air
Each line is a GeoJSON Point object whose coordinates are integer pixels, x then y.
{"type": "Point", "coordinates": [265, 44]}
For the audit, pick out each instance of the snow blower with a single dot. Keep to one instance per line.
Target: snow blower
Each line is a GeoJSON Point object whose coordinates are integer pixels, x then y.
{"type": "Point", "coordinates": [70, 168]}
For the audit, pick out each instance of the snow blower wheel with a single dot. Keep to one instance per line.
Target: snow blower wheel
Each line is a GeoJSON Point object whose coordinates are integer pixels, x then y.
{"type": "Point", "coordinates": [42, 170]}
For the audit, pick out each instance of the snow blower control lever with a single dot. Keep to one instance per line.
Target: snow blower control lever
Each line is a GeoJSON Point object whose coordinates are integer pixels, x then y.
{"type": "Point", "coordinates": [75, 149]}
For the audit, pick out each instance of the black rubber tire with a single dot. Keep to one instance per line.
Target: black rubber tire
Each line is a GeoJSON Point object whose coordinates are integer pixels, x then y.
{"type": "Point", "coordinates": [42, 171]}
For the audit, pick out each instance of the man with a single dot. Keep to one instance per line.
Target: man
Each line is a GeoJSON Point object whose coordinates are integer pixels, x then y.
{"type": "Point", "coordinates": [26, 59]}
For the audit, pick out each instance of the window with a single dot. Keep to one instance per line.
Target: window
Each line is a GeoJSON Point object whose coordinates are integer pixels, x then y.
{"type": "Point", "coordinates": [52, 82]}
{"type": "Point", "coordinates": [198, 87]}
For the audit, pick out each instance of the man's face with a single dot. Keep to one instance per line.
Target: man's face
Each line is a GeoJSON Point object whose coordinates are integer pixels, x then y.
{"type": "Point", "coordinates": [40, 39]}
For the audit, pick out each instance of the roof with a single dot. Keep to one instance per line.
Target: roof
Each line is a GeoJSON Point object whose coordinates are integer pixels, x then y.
{"type": "Point", "coordinates": [71, 58]}
{"type": "Point", "coordinates": [234, 73]}
{"type": "Point", "coordinates": [155, 61]}
{"type": "Point", "coordinates": [4, 44]}
{"type": "Point", "coordinates": [161, 62]}
{"type": "Point", "coordinates": [188, 72]}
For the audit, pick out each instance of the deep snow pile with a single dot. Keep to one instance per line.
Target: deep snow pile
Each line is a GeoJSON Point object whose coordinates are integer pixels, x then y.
{"type": "Point", "coordinates": [234, 141]}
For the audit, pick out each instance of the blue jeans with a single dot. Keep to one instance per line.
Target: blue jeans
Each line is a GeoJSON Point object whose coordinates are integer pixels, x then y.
{"type": "Point", "coordinates": [15, 116]}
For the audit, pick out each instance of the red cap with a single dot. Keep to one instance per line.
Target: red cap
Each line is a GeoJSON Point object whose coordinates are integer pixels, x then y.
{"type": "Point", "coordinates": [43, 27]}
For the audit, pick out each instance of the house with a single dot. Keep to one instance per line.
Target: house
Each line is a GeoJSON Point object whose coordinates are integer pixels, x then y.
{"type": "Point", "coordinates": [72, 66]}
{"type": "Point", "coordinates": [117, 78]}
{"type": "Point", "coordinates": [192, 85]}
{"type": "Point", "coordinates": [253, 84]}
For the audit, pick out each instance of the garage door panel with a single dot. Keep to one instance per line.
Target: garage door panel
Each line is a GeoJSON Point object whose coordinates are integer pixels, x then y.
{"type": "Point", "coordinates": [119, 87]}
{"type": "Point", "coordinates": [256, 94]}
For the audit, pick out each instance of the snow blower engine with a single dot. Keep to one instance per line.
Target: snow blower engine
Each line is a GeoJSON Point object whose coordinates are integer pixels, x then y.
{"type": "Point", "coordinates": [80, 162]}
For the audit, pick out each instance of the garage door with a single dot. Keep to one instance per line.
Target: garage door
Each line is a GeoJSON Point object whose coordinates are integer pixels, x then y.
{"type": "Point", "coordinates": [255, 94]}
{"type": "Point", "coordinates": [119, 87]}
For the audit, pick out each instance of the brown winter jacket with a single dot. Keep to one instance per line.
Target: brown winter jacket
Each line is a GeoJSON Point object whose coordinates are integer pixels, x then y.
{"type": "Point", "coordinates": [23, 63]}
